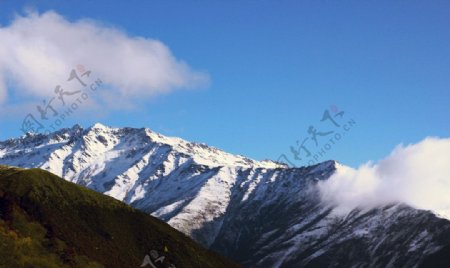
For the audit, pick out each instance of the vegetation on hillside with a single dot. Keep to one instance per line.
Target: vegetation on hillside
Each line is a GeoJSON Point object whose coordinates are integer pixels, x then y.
{"type": "Point", "coordinates": [48, 222]}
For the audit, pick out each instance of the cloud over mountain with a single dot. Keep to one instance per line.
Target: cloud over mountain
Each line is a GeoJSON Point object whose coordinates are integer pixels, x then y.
{"type": "Point", "coordinates": [416, 174]}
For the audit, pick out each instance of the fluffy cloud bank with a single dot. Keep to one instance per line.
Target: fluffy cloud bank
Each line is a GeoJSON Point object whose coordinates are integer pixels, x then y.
{"type": "Point", "coordinates": [417, 174]}
{"type": "Point", "coordinates": [38, 51]}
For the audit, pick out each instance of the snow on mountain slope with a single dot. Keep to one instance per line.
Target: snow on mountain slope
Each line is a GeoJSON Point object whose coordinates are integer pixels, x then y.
{"type": "Point", "coordinates": [260, 213]}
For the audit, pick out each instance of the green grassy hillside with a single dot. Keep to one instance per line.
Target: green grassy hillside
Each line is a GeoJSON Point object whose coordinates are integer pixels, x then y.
{"type": "Point", "coordinates": [48, 222]}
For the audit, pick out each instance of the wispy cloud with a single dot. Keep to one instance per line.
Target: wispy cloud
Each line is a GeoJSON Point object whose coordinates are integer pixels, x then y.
{"type": "Point", "coordinates": [416, 174]}
{"type": "Point", "coordinates": [37, 51]}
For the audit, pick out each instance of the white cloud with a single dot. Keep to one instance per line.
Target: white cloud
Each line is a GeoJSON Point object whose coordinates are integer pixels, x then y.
{"type": "Point", "coordinates": [38, 51]}
{"type": "Point", "coordinates": [417, 174]}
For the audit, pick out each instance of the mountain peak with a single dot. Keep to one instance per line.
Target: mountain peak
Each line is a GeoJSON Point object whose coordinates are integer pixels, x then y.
{"type": "Point", "coordinates": [76, 127]}
{"type": "Point", "coordinates": [98, 126]}
{"type": "Point", "coordinates": [222, 200]}
{"type": "Point", "coordinates": [201, 153]}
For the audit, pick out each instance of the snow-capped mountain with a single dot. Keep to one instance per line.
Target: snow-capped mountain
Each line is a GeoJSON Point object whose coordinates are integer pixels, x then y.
{"type": "Point", "coordinates": [259, 213]}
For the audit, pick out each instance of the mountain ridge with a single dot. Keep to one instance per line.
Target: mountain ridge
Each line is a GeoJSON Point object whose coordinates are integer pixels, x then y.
{"type": "Point", "coordinates": [224, 201]}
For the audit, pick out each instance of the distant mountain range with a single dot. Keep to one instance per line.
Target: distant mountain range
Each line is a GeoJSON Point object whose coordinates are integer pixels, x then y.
{"type": "Point", "coordinates": [258, 213]}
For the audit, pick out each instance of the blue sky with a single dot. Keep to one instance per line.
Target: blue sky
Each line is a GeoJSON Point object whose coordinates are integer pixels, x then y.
{"type": "Point", "coordinates": [275, 66]}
